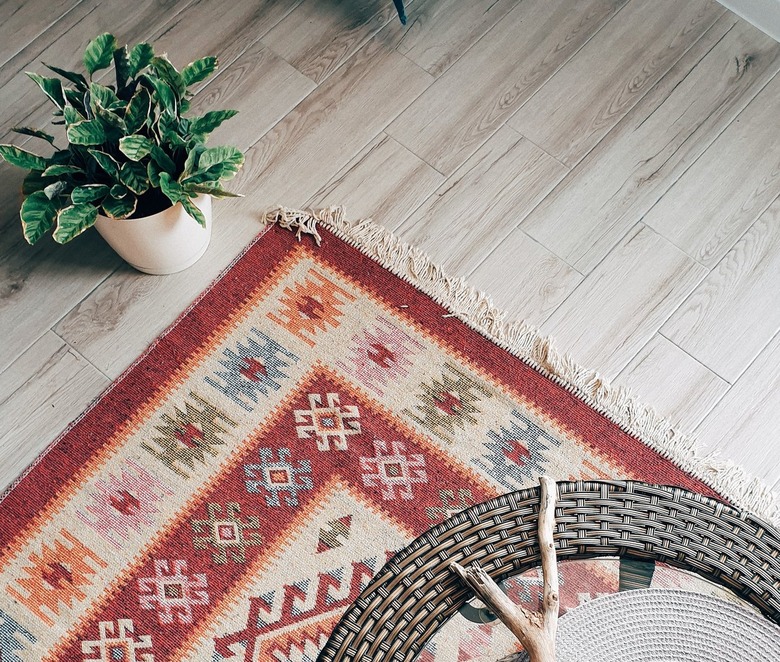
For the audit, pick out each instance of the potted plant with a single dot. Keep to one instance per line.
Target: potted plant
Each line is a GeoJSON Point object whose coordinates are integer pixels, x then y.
{"type": "Point", "coordinates": [134, 167]}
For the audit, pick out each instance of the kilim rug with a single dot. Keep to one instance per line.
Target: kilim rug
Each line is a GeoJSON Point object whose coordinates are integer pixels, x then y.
{"type": "Point", "coordinates": [316, 409]}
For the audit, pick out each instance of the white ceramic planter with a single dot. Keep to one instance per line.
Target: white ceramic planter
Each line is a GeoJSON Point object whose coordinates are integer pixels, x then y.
{"type": "Point", "coordinates": [163, 243]}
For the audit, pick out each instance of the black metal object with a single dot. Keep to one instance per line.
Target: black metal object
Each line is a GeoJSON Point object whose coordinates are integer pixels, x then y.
{"type": "Point", "coordinates": [399, 5]}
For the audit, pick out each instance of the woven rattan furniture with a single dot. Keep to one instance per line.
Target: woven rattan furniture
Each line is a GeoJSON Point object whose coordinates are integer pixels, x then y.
{"type": "Point", "coordinates": [416, 593]}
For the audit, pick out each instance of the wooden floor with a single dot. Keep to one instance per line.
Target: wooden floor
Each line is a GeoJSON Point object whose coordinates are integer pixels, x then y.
{"type": "Point", "coordinates": [607, 169]}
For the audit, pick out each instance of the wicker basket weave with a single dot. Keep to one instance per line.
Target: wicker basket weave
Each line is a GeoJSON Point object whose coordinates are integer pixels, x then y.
{"type": "Point", "coordinates": [416, 593]}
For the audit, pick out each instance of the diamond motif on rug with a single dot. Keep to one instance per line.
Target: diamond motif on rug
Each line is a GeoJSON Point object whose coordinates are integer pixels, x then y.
{"type": "Point", "coordinates": [311, 306]}
{"type": "Point", "coordinates": [188, 436]}
{"type": "Point", "coordinates": [449, 403]}
{"type": "Point", "coordinates": [255, 367]}
{"type": "Point", "coordinates": [380, 355]}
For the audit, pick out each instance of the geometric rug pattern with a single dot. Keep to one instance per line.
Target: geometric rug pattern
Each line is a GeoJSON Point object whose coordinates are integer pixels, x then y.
{"type": "Point", "coordinates": [232, 493]}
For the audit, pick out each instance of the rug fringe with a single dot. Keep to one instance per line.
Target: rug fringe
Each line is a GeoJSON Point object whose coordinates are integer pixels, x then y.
{"type": "Point", "coordinates": [476, 309]}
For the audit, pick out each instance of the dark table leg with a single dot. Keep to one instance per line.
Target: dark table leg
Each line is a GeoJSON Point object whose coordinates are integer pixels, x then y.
{"type": "Point", "coordinates": [399, 5]}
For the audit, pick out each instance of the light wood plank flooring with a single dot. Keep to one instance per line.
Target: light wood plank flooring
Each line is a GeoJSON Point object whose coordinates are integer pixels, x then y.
{"type": "Point", "coordinates": [608, 170]}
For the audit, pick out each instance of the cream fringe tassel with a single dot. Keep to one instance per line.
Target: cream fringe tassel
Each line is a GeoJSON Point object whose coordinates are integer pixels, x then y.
{"type": "Point", "coordinates": [523, 341]}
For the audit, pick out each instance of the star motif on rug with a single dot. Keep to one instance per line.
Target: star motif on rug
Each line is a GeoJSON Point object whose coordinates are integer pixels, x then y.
{"type": "Point", "coordinates": [394, 471]}
{"type": "Point", "coordinates": [278, 477]}
{"type": "Point", "coordinates": [227, 533]}
{"type": "Point", "coordinates": [171, 593]}
{"type": "Point", "coordinates": [117, 642]}
{"type": "Point", "coordinates": [331, 423]}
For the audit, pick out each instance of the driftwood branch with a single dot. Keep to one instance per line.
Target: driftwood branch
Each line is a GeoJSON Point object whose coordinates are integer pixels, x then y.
{"type": "Point", "coordinates": [535, 630]}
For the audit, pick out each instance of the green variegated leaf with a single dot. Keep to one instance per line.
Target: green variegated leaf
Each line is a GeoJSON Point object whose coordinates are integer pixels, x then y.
{"type": "Point", "coordinates": [72, 116]}
{"type": "Point", "coordinates": [55, 188]}
{"type": "Point", "coordinates": [198, 70]}
{"type": "Point", "coordinates": [212, 174]}
{"type": "Point", "coordinates": [153, 171]}
{"type": "Point", "coordinates": [22, 158]}
{"type": "Point", "coordinates": [135, 147]}
{"type": "Point", "coordinates": [165, 95]}
{"type": "Point", "coordinates": [137, 110]}
{"type": "Point", "coordinates": [193, 211]}
{"type": "Point", "coordinates": [165, 70]}
{"type": "Point", "coordinates": [121, 66]}
{"type": "Point", "coordinates": [106, 162]}
{"type": "Point", "coordinates": [99, 53]}
{"type": "Point", "coordinates": [139, 58]}
{"type": "Point", "coordinates": [102, 96]}
{"type": "Point", "coordinates": [89, 132]}
{"type": "Point", "coordinates": [52, 88]}
{"type": "Point", "coordinates": [58, 170]}
{"type": "Point", "coordinates": [191, 164]}
{"type": "Point", "coordinates": [171, 188]}
{"type": "Point", "coordinates": [76, 99]}
{"type": "Point", "coordinates": [72, 76]}
{"type": "Point", "coordinates": [88, 193]}
{"type": "Point", "coordinates": [216, 191]}
{"type": "Point", "coordinates": [118, 191]}
{"type": "Point", "coordinates": [73, 220]}
{"type": "Point", "coordinates": [35, 133]}
{"type": "Point", "coordinates": [133, 175]}
{"type": "Point", "coordinates": [112, 123]}
{"type": "Point", "coordinates": [37, 213]}
{"type": "Point", "coordinates": [163, 160]}
{"type": "Point", "coordinates": [230, 158]}
{"type": "Point", "coordinates": [210, 121]}
{"type": "Point", "coordinates": [120, 208]}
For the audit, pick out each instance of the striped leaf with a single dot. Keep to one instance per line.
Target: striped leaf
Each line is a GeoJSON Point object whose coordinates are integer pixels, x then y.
{"type": "Point", "coordinates": [52, 88]}
{"type": "Point", "coordinates": [73, 220]}
{"type": "Point", "coordinates": [22, 158]}
{"type": "Point", "coordinates": [199, 70]}
{"type": "Point", "coordinates": [99, 53]}
{"type": "Point", "coordinates": [37, 213]}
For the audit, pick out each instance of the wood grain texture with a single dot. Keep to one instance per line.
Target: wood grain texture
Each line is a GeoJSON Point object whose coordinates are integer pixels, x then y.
{"type": "Point", "coordinates": [224, 29]}
{"type": "Point", "coordinates": [261, 86]}
{"type": "Point", "coordinates": [318, 37]}
{"type": "Point", "coordinates": [39, 284]}
{"type": "Point", "coordinates": [326, 130]}
{"type": "Point", "coordinates": [495, 77]}
{"type": "Point", "coordinates": [525, 279]}
{"type": "Point", "coordinates": [385, 182]}
{"type": "Point", "coordinates": [624, 301]}
{"type": "Point", "coordinates": [621, 179]}
{"type": "Point", "coordinates": [483, 201]}
{"type": "Point", "coordinates": [440, 31]}
{"type": "Point", "coordinates": [676, 384]}
{"type": "Point", "coordinates": [593, 91]}
{"type": "Point", "coordinates": [743, 425]}
{"type": "Point", "coordinates": [40, 394]}
{"type": "Point", "coordinates": [23, 21]}
{"type": "Point", "coordinates": [735, 311]}
{"type": "Point", "coordinates": [716, 206]}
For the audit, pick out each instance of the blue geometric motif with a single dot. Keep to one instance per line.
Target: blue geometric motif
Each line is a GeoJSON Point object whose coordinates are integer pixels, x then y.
{"type": "Point", "coordinates": [10, 642]}
{"type": "Point", "coordinates": [516, 454]}
{"type": "Point", "coordinates": [278, 476]}
{"type": "Point", "coordinates": [253, 368]}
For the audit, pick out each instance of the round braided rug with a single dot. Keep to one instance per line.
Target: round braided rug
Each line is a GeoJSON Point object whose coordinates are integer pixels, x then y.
{"type": "Point", "coordinates": [663, 625]}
